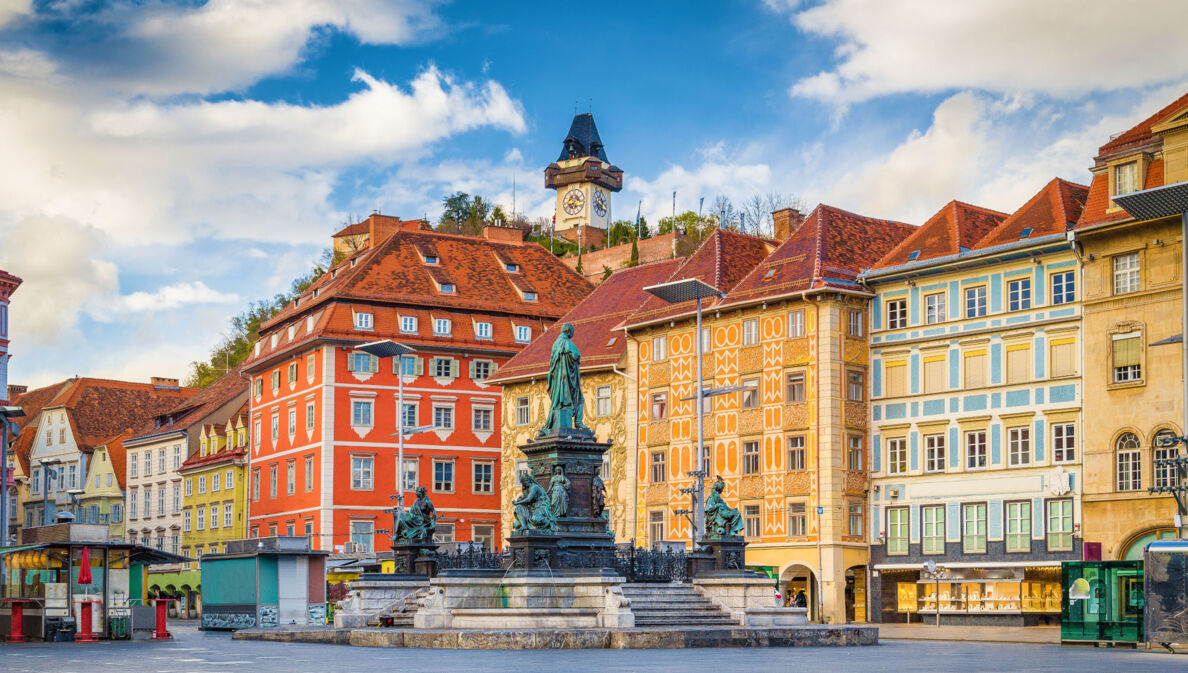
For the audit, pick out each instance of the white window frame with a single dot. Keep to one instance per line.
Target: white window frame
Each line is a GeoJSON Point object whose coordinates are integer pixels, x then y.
{"type": "Point", "coordinates": [364, 321]}
{"type": "Point", "coordinates": [934, 308]}
{"type": "Point", "coordinates": [1019, 294]}
{"type": "Point", "coordinates": [975, 301]}
{"type": "Point", "coordinates": [1019, 446]}
{"type": "Point", "coordinates": [1127, 273]}
{"type": "Point", "coordinates": [897, 313]}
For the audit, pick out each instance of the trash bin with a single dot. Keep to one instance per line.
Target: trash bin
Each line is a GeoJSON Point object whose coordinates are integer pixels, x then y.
{"type": "Point", "coordinates": [60, 629]}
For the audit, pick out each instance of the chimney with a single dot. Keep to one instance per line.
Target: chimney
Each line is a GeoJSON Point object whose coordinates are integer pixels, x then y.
{"type": "Point", "coordinates": [160, 382]}
{"type": "Point", "coordinates": [380, 227]}
{"type": "Point", "coordinates": [15, 391]}
{"type": "Point", "coordinates": [513, 235]}
{"type": "Point", "coordinates": [786, 221]}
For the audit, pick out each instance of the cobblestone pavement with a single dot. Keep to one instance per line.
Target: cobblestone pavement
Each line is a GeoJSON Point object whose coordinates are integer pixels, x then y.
{"type": "Point", "coordinates": [197, 652]}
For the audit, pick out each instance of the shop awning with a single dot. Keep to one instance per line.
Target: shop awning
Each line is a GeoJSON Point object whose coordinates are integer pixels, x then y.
{"type": "Point", "coordinates": [24, 547]}
{"type": "Point", "coordinates": [970, 564]}
{"type": "Point", "coordinates": [138, 553]}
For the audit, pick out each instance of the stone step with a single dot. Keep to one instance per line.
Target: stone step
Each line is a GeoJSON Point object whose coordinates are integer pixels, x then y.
{"type": "Point", "coordinates": [699, 609]}
{"type": "Point", "coordinates": [715, 621]}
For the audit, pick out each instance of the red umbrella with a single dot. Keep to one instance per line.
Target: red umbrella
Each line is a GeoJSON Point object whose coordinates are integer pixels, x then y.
{"type": "Point", "coordinates": [84, 570]}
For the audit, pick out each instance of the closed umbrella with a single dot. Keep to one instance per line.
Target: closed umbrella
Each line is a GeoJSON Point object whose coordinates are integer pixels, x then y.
{"type": "Point", "coordinates": [84, 570]}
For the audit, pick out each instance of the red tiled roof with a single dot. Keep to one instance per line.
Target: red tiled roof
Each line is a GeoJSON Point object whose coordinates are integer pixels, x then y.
{"type": "Point", "coordinates": [100, 408]}
{"type": "Point", "coordinates": [1141, 133]}
{"type": "Point", "coordinates": [1053, 210]}
{"type": "Point", "coordinates": [117, 455]}
{"type": "Point", "coordinates": [956, 227]}
{"type": "Point", "coordinates": [32, 402]}
{"type": "Point", "coordinates": [199, 407]}
{"type": "Point", "coordinates": [829, 249]}
{"type": "Point", "coordinates": [1097, 205]}
{"type": "Point", "coordinates": [353, 229]}
{"type": "Point", "coordinates": [393, 273]}
{"type": "Point", "coordinates": [722, 260]}
{"type": "Point", "coordinates": [594, 321]}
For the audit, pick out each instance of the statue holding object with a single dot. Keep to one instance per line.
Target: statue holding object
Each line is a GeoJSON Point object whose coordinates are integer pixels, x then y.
{"type": "Point", "coordinates": [420, 521]}
{"type": "Point", "coordinates": [721, 519]}
{"type": "Point", "coordinates": [533, 509]}
{"type": "Point", "coordinates": [559, 491]}
{"type": "Point", "coordinates": [567, 404]}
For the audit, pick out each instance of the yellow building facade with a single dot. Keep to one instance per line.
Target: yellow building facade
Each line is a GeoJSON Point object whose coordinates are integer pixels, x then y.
{"type": "Point", "coordinates": [102, 500]}
{"type": "Point", "coordinates": [214, 504]}
{"type": "Point", "coordinates": [1133, 280]}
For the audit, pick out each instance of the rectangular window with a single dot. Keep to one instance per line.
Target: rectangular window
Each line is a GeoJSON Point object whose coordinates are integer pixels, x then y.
{"type": "Point", "coordinates": [750, 394]}
{"type": "Point", "coordinates": [522, 410]}
{"type": "Point", "coordinates": [292, 373]}
{"type": "Point", "coordinates": [602, 401]}
{"type": "Point", "coordinates": [796, 458]}
{"type": "Point", "coordinates": [855, 454]}
{"type": "Point", "coordinates": [443, 417]}
{"type": "Point", "coordinates": [132, 462]}
{"type": "Point", "coordinates": [750, 332]}
{"type": "Point", "coordinates": [291, 477]}
{"type": "Point", "coordinates": [363, 535]}
{"type": "Point", "coordinates": [161, 500]}
{"type": "Point", "coordinates": [408, 324]}
{"type": "Point", "coordinates": [659, 406]}
{"type": "Point", "coordinates": [975, 450]}
{"type": "Point", "coordinates": [1018, 363]}
{"type": "Point", "coordinates": [1126, 178]}
{"type": "Point", "coordinates": [797, 519]}
{"type": "Point", "coordinates": [751, 520]}
{"type": "Point", "coordinates": [444, 532]}
{"type": "Point", "coordinates": [896, 373]}
{"type": "Point", "coordinates": [361, 413]}
{"type": "Point", "coordinates": [934, 453]}
{"type": "Point", "coordinates": [659, 348]}
{"type": "Point", "coordinates": [796, 324]}
{"type": "Point", "coordinates": [1060, 525]}
{"type": "Point", "coordinates": [292, 421]}
{"type": "Point", "coordinates": [1126, 273]}
{"type": "Point", "coordinates": [523, 334]}
{"type": "Point", "coordinates": [309, 416]}
{"type": "Point", "coordinates": [855, 386]}
{"type": "Point", "coordinates": [795, 387]}
{"type": "Point", "coordinates": [975, 302]}
{"type": "Point", "coordinates": [897, 315]}
{"type": "Point", "coordinates": [855, 519]}
{"type": "Point", "coordinates": [272, 481]}
{"type": "Point", "coordinates": [411, 474]}
{"type": "Point", "coordinates": [1064, 443]}
{"type": "Point", "coordinates": [176, 499]}
{"type": "Point", "coordinates": [898, 531]}
{"type": "Point", "coordinates": [256, 485]}
{"type": "Point", "coordinates": [750, 457]}
{"type": "Point", "coordinates": [975, 369]}
{"type": "Point", "coordinates": [482, 330]}
{"type": "Point", "coordinates": [148, 463]}
{"type": "Point", "coordinates": [1018, 526]}
{"type": "Point", "coordinates": [932, 538]}
{"type": "Point", "coordinates": [484, 477]}
{"type": "Point", "coordinates": [1127, 358]}
{"type": "Point", "coordinates": [442, 327]}
{"type": "Point", "coordinates": [1063, 356]}
{"type": "Point", "coordinates": [201, 511]}
{"type": "Point", "coordinates": [1019, 294]}
{"type": "Point", "coordinates": [443, 476]}
{"type": "Point", "coordinates": [186, 522]}
{"type": "Point", "coordinates": [480, 370]}
{"type": "Point", "coordinates": [410, 365]}
{"type": "Point", "coordinates": [358, 361]}
{"type": "Point", "coordinates": [362, 473]}
{"type": "Point", "coordinates": [201, 485]}
{"type": "Point", "coordinates": [311, 362]}
{"type": "Point", "coordinates": [482, 418]}
{"type": "Point", "coordinates": [363, 321]}
{"type": "Point", "coordinates": [214, 516]}
{"type": "Point", "coordinates": [934, 308]}
{"type": "Point", "coordinates": [935, 374]}
{"type": "Point", "coordinates": [658, 471]}
{"type": "Point", "coordinates": [855, 323]}
{"type": "Point", "coordinates": [1163, 475]}
{"type": "Point", "coordinates": [483, 535]}
{"type": "Point", "coordinates": [1064, 287]}
{"type": "Point", "coordinates": [1129, 470]}
{"type": "Point", "coordinates": [656, 526]}
{"type": "Point", "coordinates": [214, 481]}
{"type": "Point", "coordinates": [309, 474]}
{"type": "Point", "coordinates": [1019, 446]}
{"type": "Point", "coordinates": [897, 458]}
{"type": "Point", "coordinates": [973, 530]}
{"type": "Point", "coordinates": [275, 428]}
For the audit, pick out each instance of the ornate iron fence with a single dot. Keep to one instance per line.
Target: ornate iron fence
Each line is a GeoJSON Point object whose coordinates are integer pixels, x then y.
{"type": "Point", "coordinates": [651, 565]}
{"type": "Point", "coordinates": [472, 558]}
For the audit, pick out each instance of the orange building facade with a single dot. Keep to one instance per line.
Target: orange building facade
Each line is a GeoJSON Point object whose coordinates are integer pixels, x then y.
{"type": "Point", "coordinates": [324, 415]}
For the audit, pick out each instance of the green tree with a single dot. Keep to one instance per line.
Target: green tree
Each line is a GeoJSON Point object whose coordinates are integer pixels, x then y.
{"type": "Point", "coordinates": [633, 260]}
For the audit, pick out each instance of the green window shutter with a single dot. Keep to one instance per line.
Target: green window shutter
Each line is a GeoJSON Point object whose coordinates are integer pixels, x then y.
{"type": "Point", "coordinates": [420, 368]}
{"type": "Point", "coordinates": [453, 369]}
{"type": "Point", "coordinates": [472, 369]}
{"type": "Point", "coordinates": [373, 364]}
{"type": "Point", "coordinates": [350, 362]}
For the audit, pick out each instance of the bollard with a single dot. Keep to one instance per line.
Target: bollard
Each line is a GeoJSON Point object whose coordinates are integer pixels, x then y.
{"type": "Point", "coordinates": [18, 625]}
{"type": "Point", "coordinates": [85, 635]}
{"type": "Point", "coordinates": [162, 612]}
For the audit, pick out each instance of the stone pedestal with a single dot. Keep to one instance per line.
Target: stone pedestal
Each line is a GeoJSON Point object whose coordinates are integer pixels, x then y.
{"type": "Point", "coordinates": [525, 602]}
{"type": "Point", "coordinates": [414, 559]}
{"type": "Point", "coordinates": [533, 554]}
{"type": "Point", "coordinates": [749, 598]}
{"type": "Point", "coordinates": [726, 553]}
{"type": "Point", "coordinates": [374, 595]}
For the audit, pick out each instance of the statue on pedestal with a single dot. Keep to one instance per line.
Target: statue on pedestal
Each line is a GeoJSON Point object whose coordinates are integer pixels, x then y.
{"type": "Point", "coordinates": [419, 522]}
{"type": "Point", "coordinates": [598, 496]}
{"type": "Point", "coordinates": [567, 405]}
{"type": "Point", "coordinates": [534, 510]}
{"type": "Point", "coordinates": [559, 491]}
{"type": "Point", "coordinates": [721, 519]}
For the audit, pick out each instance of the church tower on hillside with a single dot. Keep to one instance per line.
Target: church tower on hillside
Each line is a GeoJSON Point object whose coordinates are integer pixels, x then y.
{"type": "Point", "coordinates": [584, 178]}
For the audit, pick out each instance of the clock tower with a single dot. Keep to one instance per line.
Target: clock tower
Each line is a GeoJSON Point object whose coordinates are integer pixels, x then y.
{"type": "Point", "coordinates": [584, 178]}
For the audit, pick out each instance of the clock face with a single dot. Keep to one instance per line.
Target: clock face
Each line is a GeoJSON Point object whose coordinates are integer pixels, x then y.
{"type": "Point", "coordinates": [574, 201]}
{"type": "Point", "coordinates": [599, 204]}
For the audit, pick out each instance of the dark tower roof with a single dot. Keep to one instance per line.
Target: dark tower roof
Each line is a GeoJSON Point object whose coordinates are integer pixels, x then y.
{"type": "Point", "coordinates": [583, 140]}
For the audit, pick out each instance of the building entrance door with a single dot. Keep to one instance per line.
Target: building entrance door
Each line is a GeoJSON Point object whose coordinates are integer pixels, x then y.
{"type": "Point", "coordinates": [856, 594]}
{"type": "Point", "coordinates": [292, 590]}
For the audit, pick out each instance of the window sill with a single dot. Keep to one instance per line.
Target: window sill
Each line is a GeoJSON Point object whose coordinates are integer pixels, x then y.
{"type": "Point", "coordinates": [1126, 384]}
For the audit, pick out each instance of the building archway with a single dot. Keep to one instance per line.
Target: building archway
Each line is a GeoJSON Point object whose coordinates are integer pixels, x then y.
{"type": "Point", "coordinates": [796, 578]}
{"type": "Point", "coordinates": [1137, 544]}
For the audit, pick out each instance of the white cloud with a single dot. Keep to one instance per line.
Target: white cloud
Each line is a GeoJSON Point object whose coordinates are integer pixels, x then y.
{"type": "Point", "coordinates": [12, 9]}
{"type": "Point", "coordinates": [737, 180]}
{"type": "Point", "coordinates": [174, 296]}
{"type": "Point", "coordinates": [1060, 47]}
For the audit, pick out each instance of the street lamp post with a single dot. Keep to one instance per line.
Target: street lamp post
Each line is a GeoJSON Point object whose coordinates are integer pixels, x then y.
{"type": "Point", "coordinates": [381, 349]}
{"type": "Point", "coordinates": [675, 292]}
{"type": "Point", "coordinates": [47, 465]}
{"type": "Point", "coordinates": [6, 414]}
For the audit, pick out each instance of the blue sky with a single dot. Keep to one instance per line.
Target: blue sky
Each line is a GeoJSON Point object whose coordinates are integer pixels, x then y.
{"type": "Point", "coordinates": [164, 163]}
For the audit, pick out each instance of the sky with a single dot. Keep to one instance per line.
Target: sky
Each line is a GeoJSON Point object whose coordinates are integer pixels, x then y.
{"type": "Point", "coordinates": [163, 164]}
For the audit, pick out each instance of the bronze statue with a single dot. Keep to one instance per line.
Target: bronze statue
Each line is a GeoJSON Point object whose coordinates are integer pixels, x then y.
{"type": "Point", "coordinates": [567, 405]}
{"type": "Point", "coordinates": [721, 519]}
{"type": "Point", "coordinates": [598, 496]}
{"type": "Point", "coordinates": [419, 522]}
{"type": "Point", "coordinates": [559, 491]}
{"type": "Point", "coordinates": [534, 510]}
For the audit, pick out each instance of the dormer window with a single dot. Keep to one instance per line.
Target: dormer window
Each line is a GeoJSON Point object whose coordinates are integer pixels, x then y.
{"type": "Point", "coordinates": [448, 288]}
{"type": "Point", "coordinates": [363, 321]}
{"type": "Point", "coordinates": [256, 349]}
{"type": "Point", "coordinates": [354, 262]}
{"type": "Point", "coordinates": [482, 330]}
{"type": "Point", "coordinates": [316, 292]}
{"type": "Point", "coordinates": [309, 324]}
{"type": "Point", "coordinates": [1126, 178]}
{"type": "Point", "coordinates": [408, 324]}
{"type": "Point", "coordinates": [769, 274]}
{"type": "Point", "coordinates": [431, 259]}
{"type": "Point", "coordinates": [291, 331]}
{"type": "Point", "coordinates": [442, 327]}
{"type": "Point", "coordinates": [511, 267]}
{"type": "Point", "coordinates": [523, 334]}
{"type": "Point", "coordinates": [611, 342]}
{"type": "Point", "coordinates": [272, 341]}
{"type": "Point", "coordinates": [529, 296]}
{"type": "Point", "coordinates": [1026, 233]}
{"type": "Point", "coordinates": [334, 274]}
{"type": "Point", "coordinates": [914, 256]}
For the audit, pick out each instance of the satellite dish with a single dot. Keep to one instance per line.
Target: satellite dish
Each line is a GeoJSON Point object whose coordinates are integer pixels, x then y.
{"type": "Point", "coordinates": [1079, 590]}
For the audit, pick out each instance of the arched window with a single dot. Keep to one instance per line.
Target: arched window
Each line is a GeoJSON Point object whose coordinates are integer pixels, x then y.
{"type": "Point", "coordinates": [1129, 465]}
{"type": "Point", "coordinates": [1164, 447]}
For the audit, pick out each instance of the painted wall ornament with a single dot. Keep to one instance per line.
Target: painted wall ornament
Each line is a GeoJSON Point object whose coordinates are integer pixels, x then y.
{"type": "Point", "coordinates": [721, 519]}
{"type": "Point", "coordinates": [534, 510]}
{"type": "Point", "coordinates": [419, 522]}
{"type": "Point", "coordinates": [567, 404]}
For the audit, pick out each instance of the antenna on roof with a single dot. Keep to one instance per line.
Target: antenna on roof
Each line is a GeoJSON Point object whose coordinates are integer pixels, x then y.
{"type": "Point", "coordinates": [590, 108]}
